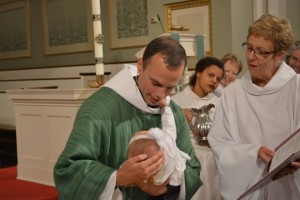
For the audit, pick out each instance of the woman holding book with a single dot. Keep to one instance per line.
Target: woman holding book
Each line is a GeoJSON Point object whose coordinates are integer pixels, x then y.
{"type": "Point", "coordinates": [257, 113]}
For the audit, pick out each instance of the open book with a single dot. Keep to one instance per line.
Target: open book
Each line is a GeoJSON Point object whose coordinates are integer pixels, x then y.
{"type": "Point", "coordinates": [288, 151]}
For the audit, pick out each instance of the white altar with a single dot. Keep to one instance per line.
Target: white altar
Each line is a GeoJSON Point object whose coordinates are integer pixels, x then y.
{"type": "Point", "coordinates": [44, 119]}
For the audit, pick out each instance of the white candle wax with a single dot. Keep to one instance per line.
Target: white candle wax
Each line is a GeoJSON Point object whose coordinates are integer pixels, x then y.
{"type": "Point", "coordinates": [96, 7]}
{"type": "Point", "coordinates": [97, 27]}
{"type": "Point", "coordinates": [98, 50]}
{"type": "Point", "coordinates": [99, 69]}
{"type": "Point", "coordinates": [98, 47]}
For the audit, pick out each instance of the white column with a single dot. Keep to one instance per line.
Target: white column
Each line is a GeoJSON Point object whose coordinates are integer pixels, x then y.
{"type": "Point", "coordinates": [277, 8]}
{"type": "Point", "coordinates": [260, 7]}
{"type": "Point", "coordinates": [98, 37]}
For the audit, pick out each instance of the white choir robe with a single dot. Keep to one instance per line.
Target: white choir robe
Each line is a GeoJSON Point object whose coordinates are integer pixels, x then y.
{"type": "Point", "coordinates": [249, 117]}
{"type": "Point", "coordinates": [210, 189]}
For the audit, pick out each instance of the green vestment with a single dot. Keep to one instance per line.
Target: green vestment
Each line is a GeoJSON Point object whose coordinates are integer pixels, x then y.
{"type": "Point", "coordinates": [98, 146]}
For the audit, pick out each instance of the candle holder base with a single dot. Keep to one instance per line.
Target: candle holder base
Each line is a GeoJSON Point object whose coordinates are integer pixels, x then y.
{"type": "Point", "coordinates": [97, 83]}
{"type": "Point", "coordinates": [100, 79]}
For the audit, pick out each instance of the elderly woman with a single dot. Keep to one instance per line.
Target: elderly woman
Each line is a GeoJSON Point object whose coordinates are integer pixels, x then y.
{"type": "Point", "coordinates": [293, 56]}
{"type": "Point", "coordinates": [232, 67]}
{"type": "Point", "coordinates": [256, 113]}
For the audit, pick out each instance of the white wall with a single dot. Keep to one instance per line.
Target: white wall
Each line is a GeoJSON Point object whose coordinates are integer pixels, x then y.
{"type": "Point", "coordinates": [230, 22]}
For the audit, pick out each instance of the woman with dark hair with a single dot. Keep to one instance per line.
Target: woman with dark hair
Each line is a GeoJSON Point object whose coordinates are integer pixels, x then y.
{"type": "Point", "coordinates": [208, 74]}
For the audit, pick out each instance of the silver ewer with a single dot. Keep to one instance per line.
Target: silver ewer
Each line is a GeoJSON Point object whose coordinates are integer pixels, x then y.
{"type": "Point", "coordinates": [201, 122]}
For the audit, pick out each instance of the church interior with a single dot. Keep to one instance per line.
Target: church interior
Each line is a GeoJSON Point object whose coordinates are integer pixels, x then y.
{"type": "Point", "coordinates": [54, 54]}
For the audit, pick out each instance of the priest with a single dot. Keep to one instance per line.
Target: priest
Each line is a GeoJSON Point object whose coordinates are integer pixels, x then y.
{"type": "Point", "coordinates": [94, 162]}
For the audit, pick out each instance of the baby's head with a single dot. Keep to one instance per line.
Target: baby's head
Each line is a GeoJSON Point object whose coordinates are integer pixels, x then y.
{"type": "Point", "coordinates": [142, 145]}
{"type": "Point", "coordinates": [153, 141]}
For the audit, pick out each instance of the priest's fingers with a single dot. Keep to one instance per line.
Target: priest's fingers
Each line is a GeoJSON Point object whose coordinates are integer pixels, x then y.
{"type": "Point", "coordinates": [154, 164]}
{"type": "Point", "coordinates": [265, 154]}
{"type": "Point", "coordinates": [128, 173]}
{"type": "Point", "coordinates": [148, 168]}
{"type": "Point", "coordinates": [139, 168]}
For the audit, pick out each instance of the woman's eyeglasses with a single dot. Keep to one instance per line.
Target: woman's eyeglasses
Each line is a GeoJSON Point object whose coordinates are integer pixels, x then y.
{"type": "Point", "coordinates": [260, 54]}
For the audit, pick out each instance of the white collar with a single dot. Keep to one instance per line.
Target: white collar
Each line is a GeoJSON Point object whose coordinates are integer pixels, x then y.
{"type": "Point", "coordinates": [283, 75]}
{"type": "Point", "coordinates": [124, 84]}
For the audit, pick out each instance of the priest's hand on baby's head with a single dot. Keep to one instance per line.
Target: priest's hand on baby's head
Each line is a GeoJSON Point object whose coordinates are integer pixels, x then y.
{"type": "Point", "coordinates": [144, 159]}
{"type": "Point", "coordinates": [138, 168]}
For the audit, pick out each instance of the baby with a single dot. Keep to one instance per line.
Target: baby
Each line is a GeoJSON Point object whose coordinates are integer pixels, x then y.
{"type": "Point", "coordinates": [152, 141]}
{"type": "Point", "coordinates": [142, 145]}
{"type": "Point", "coordinates": [156, 139]}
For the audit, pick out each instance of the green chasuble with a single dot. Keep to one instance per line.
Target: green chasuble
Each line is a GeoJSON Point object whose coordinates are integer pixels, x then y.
{"type": "Point", "coordinates": [98, 146]}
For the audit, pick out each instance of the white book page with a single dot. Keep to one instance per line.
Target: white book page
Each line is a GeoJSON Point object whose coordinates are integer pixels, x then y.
{"type": "Point", "coordinates": [285, 151]}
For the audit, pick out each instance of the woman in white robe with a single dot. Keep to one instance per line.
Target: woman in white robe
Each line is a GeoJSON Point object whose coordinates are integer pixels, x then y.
{"type": "Point", "coordinates": [293, 56]}
{"type": "Point", "coordinates": [232, 67]}
{"type": "Point", "coordinates": [256, 114]}
{"type": "Point", "coordinates": [208, 74]}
